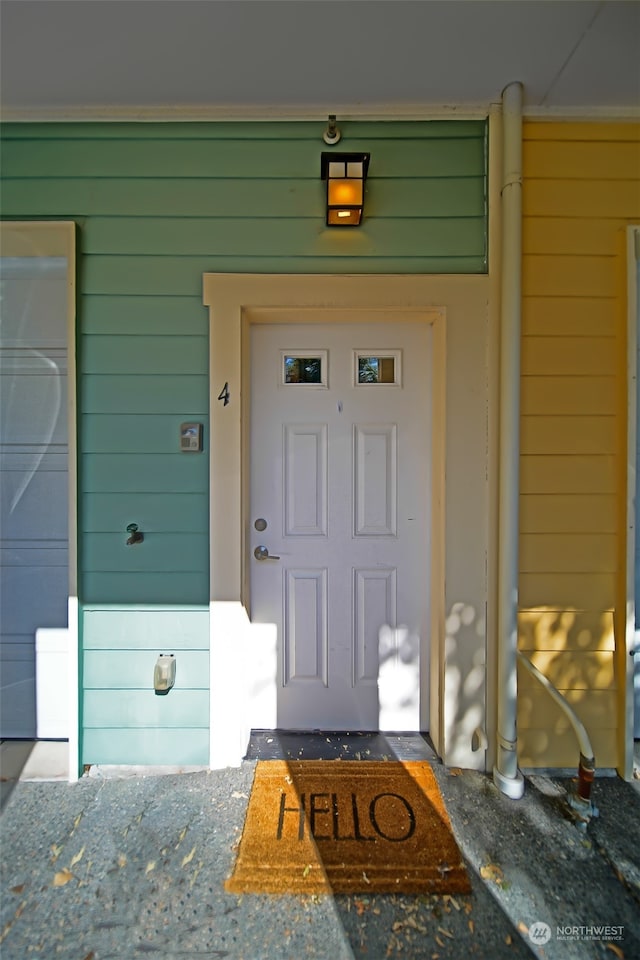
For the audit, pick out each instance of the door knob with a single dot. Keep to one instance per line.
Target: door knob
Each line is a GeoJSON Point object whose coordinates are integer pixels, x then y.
{"type": "Point", "coordinates": [262, 553]}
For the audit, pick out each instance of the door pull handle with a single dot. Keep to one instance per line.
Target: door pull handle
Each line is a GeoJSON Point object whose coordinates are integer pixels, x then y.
{"type": "Point", "coordinates": [262, 553]}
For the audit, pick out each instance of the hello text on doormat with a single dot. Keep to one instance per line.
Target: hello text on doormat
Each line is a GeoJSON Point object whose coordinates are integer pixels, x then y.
{"type": "Point", "coordinates": [347, 827]}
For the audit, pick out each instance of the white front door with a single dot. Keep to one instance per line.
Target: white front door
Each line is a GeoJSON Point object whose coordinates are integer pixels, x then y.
{"type": "Point", "coordinates": [339, 519]}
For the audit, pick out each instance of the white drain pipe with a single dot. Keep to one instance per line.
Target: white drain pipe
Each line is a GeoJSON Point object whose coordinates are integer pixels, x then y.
{"type": "Point", "coordinates": [506, 775]}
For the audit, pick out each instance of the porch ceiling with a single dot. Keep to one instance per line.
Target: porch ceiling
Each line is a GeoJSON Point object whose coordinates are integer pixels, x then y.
{"type": "Point", "coordinates": [313, 57]}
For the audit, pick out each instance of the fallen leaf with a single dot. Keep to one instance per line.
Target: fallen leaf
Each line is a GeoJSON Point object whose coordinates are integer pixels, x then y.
{"type": "Point", "coordinates": [181, 837]}
{"type": "Point", "coordinates": [439, 941]}
{"type": "Point", "coordinates": [492, 872]}
{"type": "Point", "coordinates": [18, 889]}
{"type": "Point", "coordinates": [522, 927]}
{"type": "Point", "coordinates": [150, 866]}
{"type": "Point", "coordinates": [62, 877]}
{"type": "Point", "coordinates": [55, 852]}
{"type": "Point", "coordinates": [365, 877]}
{"type": "Point", "coordinates": [507, 939]}
{"type": "Point", "coordinates": [195, 873]}
{"type": "Point", "coordinates": [122, 860]}
{"type": "Point", "coordinates": [188, 858]}
{"type": "Point", "coordinates": [445, 933]}
{"type": "Point", "coordinates": [90, 955]}
{"type": "Point", "coordinates": [77, 858]}
{"type": "Point", "coordinates": [239, 796]}
{"type": "Point", "coordinates": [306, 871]}
{"type": "Point", "coordinates": [455, 772]}
{"type": "Point", "coordinates": [470, 925]}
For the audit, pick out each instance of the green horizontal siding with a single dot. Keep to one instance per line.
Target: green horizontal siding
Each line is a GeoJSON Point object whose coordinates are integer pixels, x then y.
{"type": "Point", "coordinates": [143, 586]}
{"type": "Point", "coordinates": [145, 392]}
{"type": "Point", "coordinates": [249, 130]}
{"type": "Point", "coordinates": [162, 354]}
{"type": "Point", "coordinates": [158, 205]}
{"type": "Point", "coordinates": [177, 156]}
{"type": "Point", "coordinates": [114, 628]}
{"type": "Point", "coordinates": [160, 746]}
{"type": "Point", "coordinates": [120, 432]}
{"type": "Point", "coordinates": [444, 196]}
{"type": "Point", "coordinates": [279, 237]}
{"type": "Point", "coordinates": [160, 551]}
{"type": "Point", "coordinates": [148, 316]}
{"type": "Point", "coordinates": [143, 473]}
{"type": "Point", "coordinates": [144, 708]}
{"type": "Point", "coordinates": [171, 512]}
{"type": "Point", "coordinates": [137, 668]}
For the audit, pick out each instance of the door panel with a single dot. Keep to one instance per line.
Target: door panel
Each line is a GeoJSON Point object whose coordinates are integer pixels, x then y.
{"type": "Point", "coordinates": [340, 474]}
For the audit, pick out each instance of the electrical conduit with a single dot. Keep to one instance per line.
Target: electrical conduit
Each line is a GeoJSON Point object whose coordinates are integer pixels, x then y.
{"type": "Point", "coordinates": [587, 764]}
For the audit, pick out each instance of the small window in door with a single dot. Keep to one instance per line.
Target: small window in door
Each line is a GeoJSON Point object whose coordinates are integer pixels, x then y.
{"type": "Point", "coordinates": [304, 368]}
{"type": "Point", "coordinates": [373, 367]}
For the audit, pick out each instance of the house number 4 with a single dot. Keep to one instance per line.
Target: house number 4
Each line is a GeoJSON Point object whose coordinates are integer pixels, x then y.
{"type": "Point", "coordinates": [224, 394]}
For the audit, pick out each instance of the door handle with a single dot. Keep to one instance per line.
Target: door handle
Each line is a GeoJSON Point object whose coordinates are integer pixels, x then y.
{"type": "Point", "coordinates": [262, 553]}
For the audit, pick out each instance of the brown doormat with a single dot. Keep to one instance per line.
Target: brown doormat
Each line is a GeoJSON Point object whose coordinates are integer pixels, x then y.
{"type": "Point", "coordinates": [347, 827]}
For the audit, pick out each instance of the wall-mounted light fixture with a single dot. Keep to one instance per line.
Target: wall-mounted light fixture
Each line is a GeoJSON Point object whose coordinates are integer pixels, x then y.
{"type": "Point", "coordinates": [345, 174]}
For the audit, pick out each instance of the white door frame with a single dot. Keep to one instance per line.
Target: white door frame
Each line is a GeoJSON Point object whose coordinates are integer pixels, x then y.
{"type": "Point", "coordinates": [458, 306]}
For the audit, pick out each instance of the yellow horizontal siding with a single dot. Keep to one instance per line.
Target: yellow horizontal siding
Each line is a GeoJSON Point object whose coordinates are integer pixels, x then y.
{"type": "Point", "coordinates": [579, 199]}
{"type": "Point", "coordinates": [567, 513]}
{"type": "Point", "coordinates": [567, 474]}
{"type": "Point", "coordinates": [569, 276]}
{"type": "Point", "coordinates": [586, 131]}
{"type": "Point", "coordinates": [566, 396]}
{"type": "Point", "coordinates": [597, 590]}
{"type": "Point", "coordinates": [581, 189]}
{"type": "Point", "coordinates": [585, 237]}
{"type": "Point", "coordinates": [567, 553]}
{"type": "Point", "coordinates": [543, 315]}
{"type": "Point", "coordinates": [583, 356]}
{"type": "Point", "coordinates": [568, 434]}
{"type": "Point", "coordinates": [565, 630]}
{"type": "Point", "coordinates": [583, 160]}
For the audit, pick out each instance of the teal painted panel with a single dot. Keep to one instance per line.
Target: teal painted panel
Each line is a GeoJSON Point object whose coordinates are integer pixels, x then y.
{"type": "Point", "coordinates": [455, 237]}
{"type": "Point", "coordinates": [145, 629]}
{"type": "Point", "coordinates": [144, 473]}
{"type": "Point", "coordinates": [134, 669]}
{"type": "Point", "coordinates": [249, 130]}
{"type": "Point", "coordinates": [159, 588]}
{"type": "Point", "coordinates": [172, 512]}
{"type": "Point", "coordinates": [144, 708]}
{"type": "Point", "coordinates": [145, 316]}
{"type": "Point", "coordinates": [144, 355]}
{"type": "Point", "coordinates": [158, 747]}
{"type": "Point", "coordinates": [131, 393]}
{"type": "Point", "coordinates": [160, 552]}
{"type": "Point", "coordinates": [235, 158]}
{"type": "Point", "coordinates": [133, 433]}
{"type": "Point", "coordinates": [183, 275]}
{"type": "Point", "coordinates": [386, 197]}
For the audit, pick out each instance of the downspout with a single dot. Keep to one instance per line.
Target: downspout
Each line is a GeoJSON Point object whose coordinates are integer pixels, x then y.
{"type": "Point", "coordinates": [506, 775]}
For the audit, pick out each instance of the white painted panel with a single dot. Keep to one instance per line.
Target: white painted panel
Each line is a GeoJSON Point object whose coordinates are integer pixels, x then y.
{"type": "Point", "coordinates": [375, 480]}
{"type": "Point", "coordinates": [34, 465]}
{"type": "Point", "coordinates": [305, 480]}
{"type": "Point", "coordinates": [374, 605]}
{"type": "Point", "coordinates": [305, 632]}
